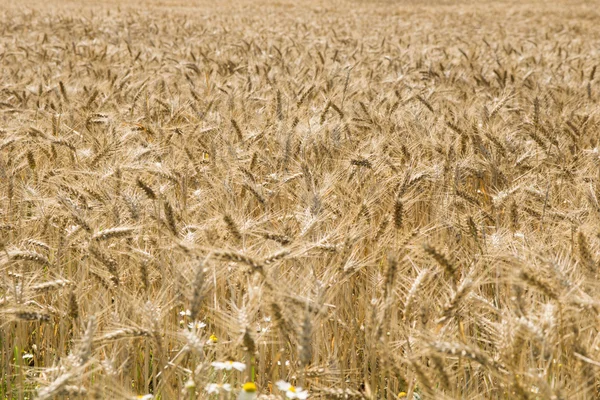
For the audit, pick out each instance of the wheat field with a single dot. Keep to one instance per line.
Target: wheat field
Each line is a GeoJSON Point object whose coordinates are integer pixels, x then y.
{"type": "Point", "coordinates": [339, 200]}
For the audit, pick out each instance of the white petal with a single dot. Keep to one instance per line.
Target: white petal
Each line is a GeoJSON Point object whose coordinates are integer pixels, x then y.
{"type": "Point", "coordinates": [212, 388]}
{"type": "Point", "coordinates": [246, 395]}
{"type": "Point", "coordinates": [283, 385]}
{"type": "Point", "coordinates": [219, 365]}
{"type": "Point", "coordinates": [239, 366]}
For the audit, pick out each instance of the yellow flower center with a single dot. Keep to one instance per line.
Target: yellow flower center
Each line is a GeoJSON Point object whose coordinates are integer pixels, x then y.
{"type": "Point", "coordinates": [213, 339]}
{"type": "Point", "coordinates": [402, 394]}
{"type": "Point", "coordinates": [249, 387]}
{"type": "Point", "coordinates": [292, 389]}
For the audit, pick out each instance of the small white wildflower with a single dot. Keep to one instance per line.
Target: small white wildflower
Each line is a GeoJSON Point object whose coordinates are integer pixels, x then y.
{"type": "Point", "coordinates": [145, 397]}
{"type": "Point", "coordinates": [229, 365]}
{"type": "Point", "coordinates": [248, 392]}
{"type": "Point", "coordinates": [292, 392]}
{"type": "Point", "coordinates": [197, 325]}
{"type": "Point", "coordinates": [185, 313]}
{"type": "Point", "coordinates": [215, 388]}
{"type": "Point", "coordinates": [213, 339]}
{"type": "Point", "coordinates": [190, 384]}
{"type": "Point", "coordinates": [403, 395]}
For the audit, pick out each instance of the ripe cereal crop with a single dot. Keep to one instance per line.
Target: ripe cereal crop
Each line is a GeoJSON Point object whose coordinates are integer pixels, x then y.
{"type": "Point", "coordinates": [272, 199]}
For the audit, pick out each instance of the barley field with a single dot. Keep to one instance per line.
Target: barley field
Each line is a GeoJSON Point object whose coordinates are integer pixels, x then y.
{"type": "Point", "coordinates": [277, 199]}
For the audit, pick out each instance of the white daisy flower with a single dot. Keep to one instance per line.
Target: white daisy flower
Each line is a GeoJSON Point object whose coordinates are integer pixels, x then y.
{"type": "Point", "coordinates": [215, 388]}
{"type": "Point", "coordinates": [292, 392]}
{"type": "Point", "coordinates": [145, 397]}
{"type": "Point", "coordinates": [248, 392]}
{"type": "Point", "coordinates": [190, 384]}
{"type": "Point", "coordinates": [213, 339]}
{"type": "Point", "coordinates": [197, 325]}
{"type": "Point", "coordinates": [229, 365]}
{"type": "Point", "coordinates": [403, 395]}
{"type": "Point", "coordinates": [185, 313]}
